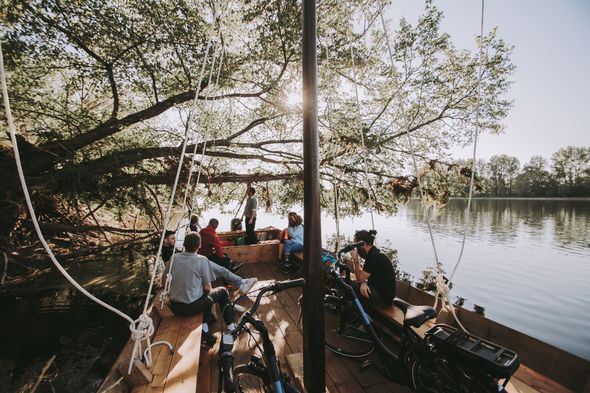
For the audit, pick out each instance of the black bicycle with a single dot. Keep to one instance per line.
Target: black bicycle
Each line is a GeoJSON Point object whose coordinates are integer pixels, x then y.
{"type": "Point", "coordinates": [444, 360]}
{"type": "Point", "coordinates": [260, 374]}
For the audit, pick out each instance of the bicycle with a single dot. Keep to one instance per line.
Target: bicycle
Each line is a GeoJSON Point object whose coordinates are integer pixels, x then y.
{"type": "Point", "coordinates": [260, 373]}
{"type": "Point", "coordinates": [444, 360]}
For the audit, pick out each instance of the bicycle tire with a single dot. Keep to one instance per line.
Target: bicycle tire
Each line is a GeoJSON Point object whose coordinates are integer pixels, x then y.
{"type": "Point", "coordinates": [250, 380]}
{"type": "Point", "coordinates": [341, 337]}
{"type": "Point", "coordinates": [421, 380]}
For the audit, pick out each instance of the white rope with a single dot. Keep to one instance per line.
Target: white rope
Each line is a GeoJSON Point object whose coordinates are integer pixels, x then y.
{"type": "Point", "coordinates": [166, 291]}
{"type": "Point", "coordinates": [476, 135]}
{"type": "Point", "coordinates": [141, 330]}
{"type": "Point", "coordinates": [364, 158]}
{"type": "Point", "coordinates": [443, 290]}
{"type": "Point", "coordinates": [25, 189]}
{"type": "Point", "coordinates": [178, 170]}
{"type": "Point", "coordinates": [166, 343]}
{"type": "Point", "coordinates": [334, 184]}
{"type": "Point", "coordinates": [118, 381]}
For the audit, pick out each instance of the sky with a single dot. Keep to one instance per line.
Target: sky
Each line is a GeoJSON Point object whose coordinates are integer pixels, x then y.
{"type": "Point", "coordinates": [551, 92]}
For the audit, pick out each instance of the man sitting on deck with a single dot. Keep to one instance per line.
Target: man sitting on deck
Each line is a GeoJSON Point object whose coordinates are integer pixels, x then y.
{"type": "Point", "coordinates": [242, 284]}
{"type": "Point", "coordinates": [211, 246]}
{"type": "Point", "coordinates": [191, 292]}
{"type": "Point", "coordinates": [376, 280]}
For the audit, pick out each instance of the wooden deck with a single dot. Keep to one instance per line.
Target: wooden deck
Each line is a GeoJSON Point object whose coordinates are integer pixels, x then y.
{"type": "Point", "coordinates": [280, 313]}
{"type": "Point", "coordinates": [188, 367]}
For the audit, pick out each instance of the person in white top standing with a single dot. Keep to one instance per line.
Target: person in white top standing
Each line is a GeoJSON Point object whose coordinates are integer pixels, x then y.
{"type": "Point", "coordinates": [250, 215]}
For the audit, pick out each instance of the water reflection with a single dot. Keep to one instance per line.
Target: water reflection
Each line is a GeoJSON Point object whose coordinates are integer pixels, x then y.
{"type": "Point", "coordinates": [567, 221]}
{"type": "Point", "coordinates": [522, 258]}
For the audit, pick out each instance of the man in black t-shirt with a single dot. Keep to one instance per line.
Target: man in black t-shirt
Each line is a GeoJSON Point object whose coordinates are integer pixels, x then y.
{"type": "Point", "coordinates": [168, 245]}
{"type": "Point", "coordinates": [376, 280]}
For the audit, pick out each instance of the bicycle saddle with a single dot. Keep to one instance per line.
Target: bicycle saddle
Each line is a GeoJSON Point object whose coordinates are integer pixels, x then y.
{"type": "Point", "coordinates": [415, 315]}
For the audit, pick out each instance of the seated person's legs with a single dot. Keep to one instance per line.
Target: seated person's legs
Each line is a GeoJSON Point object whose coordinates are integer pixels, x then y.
{"type": "Point", "coordinates": [220, 296]}
{"type": "Point", "coordinates": [374, 298]}
{"type": "Point", "coordinates": [243, 284]}
{"type": "Point", "coordinates": [290, 247]}
{"type": "Point", "coordinates": [221, 261]}
{"type": "Point", "coordinates": [296, 247]}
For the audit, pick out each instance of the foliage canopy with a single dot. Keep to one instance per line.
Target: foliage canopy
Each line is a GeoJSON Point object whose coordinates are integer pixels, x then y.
{"type": "Point", "coordinates": [102, 93]}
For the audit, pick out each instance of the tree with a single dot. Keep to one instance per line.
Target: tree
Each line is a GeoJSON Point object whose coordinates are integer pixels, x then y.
{"type": "Point", "coordinates": [504, 170]}
{"type": "Point", "coordinates": [570, 165]}
{"type": "Point", "coordinates": [535, 179]}
{"type": "Point", "coordinates": [102, 93]}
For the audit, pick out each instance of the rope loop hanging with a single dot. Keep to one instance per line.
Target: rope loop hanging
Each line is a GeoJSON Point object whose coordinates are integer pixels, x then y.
{"type": "Point", "coordinates": [141, 329]}
{"type": "Point", "coordinates": [443, 288]}
{"type": "Point", "coordinates": [360, 127]}
{"type": "Point", "coordinates": [25, 189]}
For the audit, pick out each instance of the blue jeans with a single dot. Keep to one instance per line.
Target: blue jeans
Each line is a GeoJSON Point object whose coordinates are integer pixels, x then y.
{"type": "Point", "coordinates": [292, 246]}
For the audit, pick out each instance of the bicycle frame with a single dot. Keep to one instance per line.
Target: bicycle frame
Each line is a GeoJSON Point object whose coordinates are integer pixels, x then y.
{"type": "Point", "coordinates": [270, 371]}
{"type": "Point", "coordinates": [444, 371]}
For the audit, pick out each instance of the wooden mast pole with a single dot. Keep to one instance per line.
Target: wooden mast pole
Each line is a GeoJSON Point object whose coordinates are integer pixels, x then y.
{"type": "Point", "coordinates": [314, 361]}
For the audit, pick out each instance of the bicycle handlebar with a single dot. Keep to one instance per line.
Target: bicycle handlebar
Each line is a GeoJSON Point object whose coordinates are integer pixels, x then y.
{"type": "Point", "coordinates": [274, 288]}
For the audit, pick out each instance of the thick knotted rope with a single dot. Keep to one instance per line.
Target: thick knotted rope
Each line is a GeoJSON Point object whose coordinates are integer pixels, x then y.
{"type": "Point", "coordinates": [141, 329]}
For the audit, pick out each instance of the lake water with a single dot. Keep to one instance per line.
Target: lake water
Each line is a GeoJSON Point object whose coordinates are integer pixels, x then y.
{"type": "Point", "coordinates": [526, 261]}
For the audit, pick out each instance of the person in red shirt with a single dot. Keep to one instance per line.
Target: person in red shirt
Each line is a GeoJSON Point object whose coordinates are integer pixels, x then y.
{"type": "Point", "coordinates": [211, 246]}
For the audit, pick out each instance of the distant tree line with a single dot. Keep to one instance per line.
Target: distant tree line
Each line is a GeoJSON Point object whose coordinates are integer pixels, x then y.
{"type": "Point", "coordinates": [565, 174]}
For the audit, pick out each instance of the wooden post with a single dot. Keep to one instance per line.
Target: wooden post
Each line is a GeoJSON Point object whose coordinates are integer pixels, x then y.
{"type": "Point", "coordinates": [314, 361]}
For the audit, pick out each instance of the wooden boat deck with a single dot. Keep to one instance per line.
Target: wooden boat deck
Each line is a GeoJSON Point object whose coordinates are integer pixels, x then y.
{"type": "Point", "coordinates": [189, 366]}
{"type": "Point", "coordinates": [280, 313]}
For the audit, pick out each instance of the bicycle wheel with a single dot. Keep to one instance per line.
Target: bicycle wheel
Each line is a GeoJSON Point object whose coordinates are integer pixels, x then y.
{"type": "Point", "coordinates": [422, 380]}
{"type": "Point", "coordinates": [342, 336]}
{"type": "Point", "coordinates": [250, 380]}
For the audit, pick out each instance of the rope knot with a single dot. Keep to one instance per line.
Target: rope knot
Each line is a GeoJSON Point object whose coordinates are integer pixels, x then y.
{"type": "Point", "coordinates": [142, 328]}
{"type": "Point", "coordinates": [441, 286]}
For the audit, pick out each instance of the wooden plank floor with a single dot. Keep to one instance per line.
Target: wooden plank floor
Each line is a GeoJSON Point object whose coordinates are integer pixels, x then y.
{"type": "Point", "coordinates": [279, 313]}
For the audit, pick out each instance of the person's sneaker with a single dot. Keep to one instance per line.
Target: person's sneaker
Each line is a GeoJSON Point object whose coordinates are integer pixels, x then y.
{"type": "Point", "coordinates": [286, 267]}
{"type": "Point", "coordinates": [207, 340]}
{"type": "Point", "coordinates": [235, 266]}
{"type": "Point", "coordinates": [239, 308]}
{"type": "Point", "coordinates": [247, 284]}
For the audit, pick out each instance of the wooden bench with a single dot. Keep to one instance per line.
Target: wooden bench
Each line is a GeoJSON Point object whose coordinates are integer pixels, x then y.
{"type": "Point", "coordinates": [265, 251]}
{"type": "Point", "coordinates": [175, 372]}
